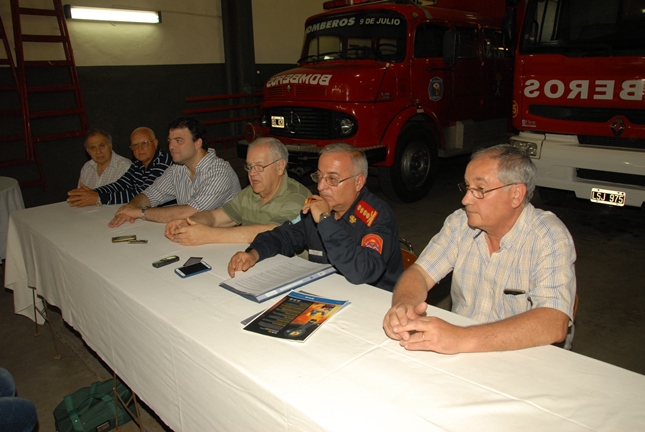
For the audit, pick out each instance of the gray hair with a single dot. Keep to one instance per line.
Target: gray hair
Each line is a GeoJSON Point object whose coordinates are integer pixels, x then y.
{"type": "Point", "coordinates": [513, 166]}
{"type": "Point", "coordinates": [97, 131]}
{"type": "Point", "coordinates": [359, 161]}
{"type": "Point", "coordinates": [276, 148]}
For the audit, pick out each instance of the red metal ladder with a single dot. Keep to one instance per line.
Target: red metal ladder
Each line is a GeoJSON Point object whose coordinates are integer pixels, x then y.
{"type": "Point", "coordinates": [15, 138]}
{"type": "Point", "coordinates": [52, 94]}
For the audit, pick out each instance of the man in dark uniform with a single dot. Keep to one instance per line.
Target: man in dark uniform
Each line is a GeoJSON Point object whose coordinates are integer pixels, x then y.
{"type": "Point", "coordinates": [346, 225]}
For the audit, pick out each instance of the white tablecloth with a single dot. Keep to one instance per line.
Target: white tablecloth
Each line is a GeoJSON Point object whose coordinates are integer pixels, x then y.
{"type": "Point", "coordinates": [10, 200]}
{"type": "Point", "coordinates": [180, 345]}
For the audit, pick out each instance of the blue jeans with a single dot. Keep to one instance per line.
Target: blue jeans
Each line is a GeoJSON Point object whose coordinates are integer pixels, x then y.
{"type": "Point", "coordinates": [16, 414]}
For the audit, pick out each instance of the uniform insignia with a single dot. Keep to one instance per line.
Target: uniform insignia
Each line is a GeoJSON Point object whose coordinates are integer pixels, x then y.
{"type": "Point", "coordinates": [352, 219]}
{"type": "Point", "coordinates": [373, 241]}
{"type": "Point", "coordinates": [366, 213]}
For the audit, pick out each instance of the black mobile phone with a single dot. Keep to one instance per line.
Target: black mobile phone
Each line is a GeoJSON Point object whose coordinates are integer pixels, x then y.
{"type": "Point", "coordinates": [193, 260]}
{"type": "Point", "coordinates": [165, 261]}
{"type": "Point", "coordinates": [192, 269]}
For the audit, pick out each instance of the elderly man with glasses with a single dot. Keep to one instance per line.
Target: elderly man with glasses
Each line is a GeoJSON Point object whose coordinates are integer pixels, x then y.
{"type": "Point", "coordinates": [271, 199]}
{"type": "Point", "coordinates": [345, 225]}
{"type": "Point", "coordinates": [513, 267]}
{"type": "Point", "coordinates": [150, 163]}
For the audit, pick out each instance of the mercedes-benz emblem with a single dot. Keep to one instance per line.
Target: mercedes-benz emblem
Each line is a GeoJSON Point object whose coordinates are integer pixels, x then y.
{"type": "Point", "coordinates": [293, 123]}
{"type": "Point", "coordinates": [617, 127]}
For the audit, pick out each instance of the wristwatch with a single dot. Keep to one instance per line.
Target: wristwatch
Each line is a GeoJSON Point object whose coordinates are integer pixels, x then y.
{"type": "Point", "coordinates": [322, 216]}
{"type": "Point", "coordinates": [143, 212]}
{"type": "Point", "coordinates": [98, 201]}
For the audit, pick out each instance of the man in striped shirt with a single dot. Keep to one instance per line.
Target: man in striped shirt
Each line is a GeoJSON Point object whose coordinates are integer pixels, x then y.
{"type": "Point", "coordinates": [150, 164]}
{"type": "Point", "coordinates": [513, 267]}
{"type": "Point", "coordinates": [198, 180]}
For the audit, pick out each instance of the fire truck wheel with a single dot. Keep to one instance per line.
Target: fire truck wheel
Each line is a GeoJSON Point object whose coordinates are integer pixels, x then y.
{"type": "Point", "coordinates": [415, 166]}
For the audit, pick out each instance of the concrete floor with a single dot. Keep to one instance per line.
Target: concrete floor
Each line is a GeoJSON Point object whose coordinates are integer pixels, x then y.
{"type": "Point", "coordinates": [610, 325]}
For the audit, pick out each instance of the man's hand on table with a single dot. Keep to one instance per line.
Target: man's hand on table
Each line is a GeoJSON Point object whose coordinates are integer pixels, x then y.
{"type": "Point", "coordinates": [125, 213]}
{"type": "Point", "coordinates": [82, 197]}
{"type": "Point", "coordinates": [242, 261]}
{"type": "Point", "coordinates": [187, 232]}
{"type": "Point", "coordinates": [430, 333]}
{"type": "Point", "coordinates": [399, 316]}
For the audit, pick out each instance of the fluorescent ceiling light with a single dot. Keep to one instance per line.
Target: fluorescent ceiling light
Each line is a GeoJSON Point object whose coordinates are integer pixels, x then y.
{"type": "Point", "coordinates": [114, 15]}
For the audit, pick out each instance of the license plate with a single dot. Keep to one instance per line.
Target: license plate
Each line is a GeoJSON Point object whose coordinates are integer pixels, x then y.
{"type": "Point", "coordinates": [277, 122]}
{"type": "Point", "coordinates": [609, 197]}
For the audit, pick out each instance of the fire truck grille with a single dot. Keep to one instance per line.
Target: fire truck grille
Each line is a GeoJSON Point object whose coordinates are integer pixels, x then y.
{"type": "Point", "coordinates": [305, 123]}
{"type": "Point", "coordinates": [276, 92]}
{"type": "Point", "coordinates": [606, 141]}
{"type": "Point", "coordinates": [586, 114]}
{"type": "Point", "coordinates": [628, 179]}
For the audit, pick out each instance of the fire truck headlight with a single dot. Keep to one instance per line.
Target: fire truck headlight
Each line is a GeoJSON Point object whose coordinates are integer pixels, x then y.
{"type": "Point", "coordinates": [531, 148]}
{"type": "Point", "coordinates": [346, 126]}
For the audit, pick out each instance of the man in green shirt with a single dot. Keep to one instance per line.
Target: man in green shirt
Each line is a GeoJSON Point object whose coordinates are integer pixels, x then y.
{"type": "Point", "coordinates": [271, 199]}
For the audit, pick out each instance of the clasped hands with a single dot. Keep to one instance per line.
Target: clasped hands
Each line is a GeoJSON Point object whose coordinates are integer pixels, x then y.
{"type": "Point", "coordinates": [186, 232]}
{"type": "Point", "coordinates": [417, 332]}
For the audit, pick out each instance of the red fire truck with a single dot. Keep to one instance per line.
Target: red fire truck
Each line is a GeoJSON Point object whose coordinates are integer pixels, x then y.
{"type": "Point", "coordinates": [403, 81]}
{"type": "Point", "coordinates": [578, 102]}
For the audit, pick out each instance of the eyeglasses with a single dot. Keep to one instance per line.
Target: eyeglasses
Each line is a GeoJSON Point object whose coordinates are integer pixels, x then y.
{"type": "Point", "coordinates": [479, 193]}
{"type": "Point", "coordinates": [142, 144]}
{"type": "Point", "coordinates": [331, 181]}
{"type": "Point", "coordinates": [258, 168]}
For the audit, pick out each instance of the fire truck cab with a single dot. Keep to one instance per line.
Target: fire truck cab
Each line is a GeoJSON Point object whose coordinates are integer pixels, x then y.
{"type": "Point", "coordinates": [579, 98]}
{"type": "Point", "coordinates": [404, 82]}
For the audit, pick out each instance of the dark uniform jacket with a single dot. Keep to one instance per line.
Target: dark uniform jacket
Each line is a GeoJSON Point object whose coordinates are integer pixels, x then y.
{"type": "Point", "coordinates": [363, 245]}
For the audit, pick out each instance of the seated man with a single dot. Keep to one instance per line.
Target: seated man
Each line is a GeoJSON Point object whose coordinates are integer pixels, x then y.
{"type": "Point", "coordinates": [271, 199]}
{"type": "Point", "coordinates": [150, 164]}
{"type": "Point", "coordinates": [16, 414]}
{"type": "Point", "coordinates": [105, 166]}
{"type": "Point", "coordinates": [346, 225]}
{"type": "Point", "coordinates": [513, 267]}
{"type": "Point", "coordinates": [198, 180]}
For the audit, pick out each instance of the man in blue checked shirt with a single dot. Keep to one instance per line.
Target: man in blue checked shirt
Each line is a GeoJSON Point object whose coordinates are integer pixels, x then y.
{"type": "Point", "coordinates": [198, 179]}
{"type": "Point", "coordinates": [513, 267]}
{"type": "Point", "coordinates": [150, 163]}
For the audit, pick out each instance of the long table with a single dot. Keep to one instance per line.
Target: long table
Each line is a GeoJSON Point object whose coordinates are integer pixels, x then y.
{"type": "Point", "coordinates": [178, 343]}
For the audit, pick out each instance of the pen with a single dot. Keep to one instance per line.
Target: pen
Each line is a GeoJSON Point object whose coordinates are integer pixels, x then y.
{"type": "Point", "coordinates": [514, 291]}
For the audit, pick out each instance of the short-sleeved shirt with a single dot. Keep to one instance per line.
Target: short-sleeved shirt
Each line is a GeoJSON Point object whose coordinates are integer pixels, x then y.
{"type": "Point", "coordinates": [247, 208]}
{"type": "Point", "coordinates": [363, 245]}
{"type": "Point", "coordinates": [214, 184]}
{"type": "Point", "coordinates": [534, 264]}
{"type": "Point", "coordinates": [135, 180]}
{"type": "Point", "coordinates": [116, 168]}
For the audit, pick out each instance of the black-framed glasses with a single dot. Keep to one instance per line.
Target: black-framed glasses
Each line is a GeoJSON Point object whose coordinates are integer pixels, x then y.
{"type": "Point", "coordinates": [142, 144]}
{"type": "Point", "coordinates": [331, 181]}
{"type": "Point", "coordinates": [479, 193]}
{"type": "Point", "coordinates": [258, 168]}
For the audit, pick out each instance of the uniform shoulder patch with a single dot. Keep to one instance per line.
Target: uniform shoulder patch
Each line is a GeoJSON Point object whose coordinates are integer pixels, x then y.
{"type": "Point", "coordinates": [373, 241]}
{"type": "Point", "coordinates": [366, 213]}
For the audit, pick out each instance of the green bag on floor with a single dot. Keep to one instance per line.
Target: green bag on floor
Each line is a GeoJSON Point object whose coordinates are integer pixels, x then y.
{"type": "Point", "coordinates": [91, 409]}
